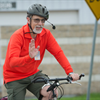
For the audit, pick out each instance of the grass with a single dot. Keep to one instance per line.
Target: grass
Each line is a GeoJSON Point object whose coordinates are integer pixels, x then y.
{"type": "Point", "coordinates": [93, 96]}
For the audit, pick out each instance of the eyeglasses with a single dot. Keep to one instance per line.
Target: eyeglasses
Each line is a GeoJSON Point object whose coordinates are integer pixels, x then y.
{"type": "Point", "coordinates": [38, 20]}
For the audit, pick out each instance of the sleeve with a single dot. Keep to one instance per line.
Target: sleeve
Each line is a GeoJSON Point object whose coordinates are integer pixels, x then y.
{"type": "Point", "coordinates": [15, 44]}
{"type": "Point", "coordinates": [54, 48]}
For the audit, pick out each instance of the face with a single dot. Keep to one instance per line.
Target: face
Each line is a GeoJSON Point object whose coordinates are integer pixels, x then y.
{"type": "Point", "coordinates": [37, 23]}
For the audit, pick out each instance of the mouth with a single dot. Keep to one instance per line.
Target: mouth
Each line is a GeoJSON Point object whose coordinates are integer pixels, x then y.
{"type": "Point", "coordinates": [39, 28]}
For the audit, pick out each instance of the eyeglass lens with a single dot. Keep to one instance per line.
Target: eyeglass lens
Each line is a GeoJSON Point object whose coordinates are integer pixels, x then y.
{"type": "Point", "coordinates": [38, 20]}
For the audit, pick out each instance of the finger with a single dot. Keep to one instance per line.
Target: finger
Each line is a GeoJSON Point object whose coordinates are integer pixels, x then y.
{"type": "Point", "coordinates": [33, 41]}
{"type": "Point", "coordinates": [31, 48]}
{"type": "Point", "coordinates": [38, 47]}
{"type": "Point", "coordinates": [30, 45]}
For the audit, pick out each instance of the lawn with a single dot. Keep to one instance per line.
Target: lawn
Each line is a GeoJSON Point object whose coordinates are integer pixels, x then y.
{"type": "Point", "coordinates": [93, 96]}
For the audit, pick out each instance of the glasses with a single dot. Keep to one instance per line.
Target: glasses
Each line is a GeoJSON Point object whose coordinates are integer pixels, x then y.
{"type": "Point", "coordinates": [38, 20]}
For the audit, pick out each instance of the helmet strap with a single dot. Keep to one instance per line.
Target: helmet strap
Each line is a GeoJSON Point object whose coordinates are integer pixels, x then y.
{"type": "Point", "coordinates": [31, 27]}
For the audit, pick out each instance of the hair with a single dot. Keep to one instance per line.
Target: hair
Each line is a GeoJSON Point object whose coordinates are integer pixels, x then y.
{"type": "Point", "coordinates": [29, 15]}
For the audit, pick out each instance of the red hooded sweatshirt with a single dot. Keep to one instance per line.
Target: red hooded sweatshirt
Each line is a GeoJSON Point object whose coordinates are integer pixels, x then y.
{"type": "Point", "coordinates": [19, 65]}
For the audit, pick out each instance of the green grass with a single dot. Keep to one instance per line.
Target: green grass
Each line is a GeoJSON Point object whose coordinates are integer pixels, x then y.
{"type": "Point", "coordinates": [93, 96]}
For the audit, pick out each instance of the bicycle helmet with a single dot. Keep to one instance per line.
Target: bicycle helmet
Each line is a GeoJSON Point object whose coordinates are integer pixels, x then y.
{"type": "Point", "coordinates": [38, 9]}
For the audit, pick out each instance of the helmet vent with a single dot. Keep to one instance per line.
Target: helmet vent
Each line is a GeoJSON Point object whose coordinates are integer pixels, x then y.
{"type": "Point", "coordinates": [43, 10]}
{"type": "Point", "coordinates": [40, 4]}
{"type": "Point", "coordinates": [37, 9]}
{"type": "Point", "coordinates": [47, 12]}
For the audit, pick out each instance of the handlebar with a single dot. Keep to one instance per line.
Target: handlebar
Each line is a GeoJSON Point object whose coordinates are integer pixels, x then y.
{"type": "Point", "coordinates": [69, 79]}
{"type": "Point", "coordinates": [41, 79]}
{"type": "Point", "coordinates": [56, 82]}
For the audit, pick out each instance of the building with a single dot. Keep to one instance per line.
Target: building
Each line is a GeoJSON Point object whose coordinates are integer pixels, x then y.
{"type": "Point", "coordinates": [61, 12]}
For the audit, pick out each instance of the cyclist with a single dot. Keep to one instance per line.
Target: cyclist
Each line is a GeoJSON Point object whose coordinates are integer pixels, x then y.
{"type": "Point", "coordinates": [25, 52]}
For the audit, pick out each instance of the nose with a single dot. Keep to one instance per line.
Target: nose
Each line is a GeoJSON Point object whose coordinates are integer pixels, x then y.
{"type": "Point", "coordinates": [40, 22]}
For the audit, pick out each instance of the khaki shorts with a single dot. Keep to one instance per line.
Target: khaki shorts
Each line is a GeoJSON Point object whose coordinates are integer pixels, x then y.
{"type": "Point", "coordinates": [17, 89]}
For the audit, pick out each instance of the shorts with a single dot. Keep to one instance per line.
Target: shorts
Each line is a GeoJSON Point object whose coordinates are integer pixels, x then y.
{"type": "Point", "coordinates": [17, 89]}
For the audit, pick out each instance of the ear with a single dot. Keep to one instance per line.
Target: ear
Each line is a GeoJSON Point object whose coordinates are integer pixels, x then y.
{"type": "Point", "coordinates": [28, 20]}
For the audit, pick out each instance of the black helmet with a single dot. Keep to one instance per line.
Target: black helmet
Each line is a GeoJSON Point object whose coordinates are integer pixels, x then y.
{"type": "Point", "coordinates": [38, 9]}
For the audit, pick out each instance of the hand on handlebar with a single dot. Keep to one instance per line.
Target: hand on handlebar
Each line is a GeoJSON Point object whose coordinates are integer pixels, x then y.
{"type": "Point", "coordinates": [75, 76]}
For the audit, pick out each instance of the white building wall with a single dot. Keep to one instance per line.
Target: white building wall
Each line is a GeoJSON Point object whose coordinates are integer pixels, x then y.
{"type": "Point", "coordinates": [56, 17]}
{"type": "Point", "coordinates": [61, 12]}
{"type": "Point", "coordinates": [12, 18]}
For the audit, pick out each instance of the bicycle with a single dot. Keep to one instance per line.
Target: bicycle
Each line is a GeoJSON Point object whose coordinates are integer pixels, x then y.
{"type": "Point", "coordinates": [54, 84]}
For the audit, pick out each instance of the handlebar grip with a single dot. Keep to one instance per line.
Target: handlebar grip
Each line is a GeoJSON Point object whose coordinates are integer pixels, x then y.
{"type": "Point", "coordinates": [70, 78]}
{"type": "Point", "coordinates": [82, 75]}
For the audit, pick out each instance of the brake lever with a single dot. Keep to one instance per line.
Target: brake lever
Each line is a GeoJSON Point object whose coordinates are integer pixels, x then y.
{"type": "Point", "coordinates": [82, 75]}
{"type": "Point", "coordinates": [72, 82]}
{"type": "Point", "coordinates": [69, 79]}
{"type": "Point", "coordinates": [75, 82]}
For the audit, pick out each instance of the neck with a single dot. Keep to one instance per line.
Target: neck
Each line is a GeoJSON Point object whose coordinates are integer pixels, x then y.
{"type": "Point", "coordinates": [33, 35]}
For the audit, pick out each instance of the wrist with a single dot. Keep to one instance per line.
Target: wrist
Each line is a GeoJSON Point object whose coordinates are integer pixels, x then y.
{"type": "Point", "coordinates": [70, 73]}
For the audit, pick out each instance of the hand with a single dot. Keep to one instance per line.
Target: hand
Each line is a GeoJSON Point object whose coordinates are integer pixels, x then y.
{"type": "Point", "coordinates": [75, 76]}
{"type": "Point", "coordinates": [32, 50]}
